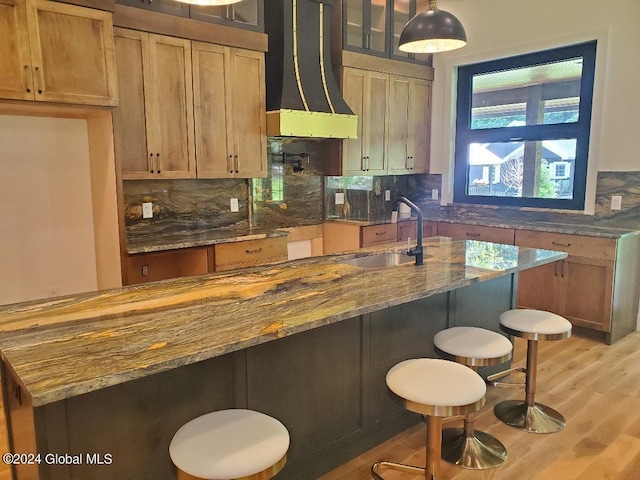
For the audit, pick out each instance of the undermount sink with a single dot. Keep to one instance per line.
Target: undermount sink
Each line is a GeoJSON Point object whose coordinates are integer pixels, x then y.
{"type": "Point", "coordinates": [381, 260]}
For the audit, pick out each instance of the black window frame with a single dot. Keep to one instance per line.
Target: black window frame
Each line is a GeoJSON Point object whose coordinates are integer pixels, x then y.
{"type": "Point", "coordinates": [579, 130]}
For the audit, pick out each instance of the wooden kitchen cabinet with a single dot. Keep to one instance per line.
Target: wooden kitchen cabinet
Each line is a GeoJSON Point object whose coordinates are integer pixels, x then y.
{"type": "Point", "coordinates": [249, 253]}
{"type": "Point", "coordinates": [579, 287]}
{"type": "Point", "coordinates": [153, 126]}
{"type": "Point", "coordinates": [409, 230]}
{"type": "Point", "coordinates": [409, 125]}
{"type": "Point", "coordinates": [170, 7]}
{"type": "Point", "coordinates": [150, 267]}
{"type": "Point", "coordinates": [230, 112]}
{"type": "Point", "coordinates": [461, 231]}
{"type": "Point", "coordinates": [393, 103]}
{"type": "Point", "coordinates": [366, 92]}
{"type": "Point", "coordinates": [53, 52]}
{"type": "Point", "coordinates": [345, 236]}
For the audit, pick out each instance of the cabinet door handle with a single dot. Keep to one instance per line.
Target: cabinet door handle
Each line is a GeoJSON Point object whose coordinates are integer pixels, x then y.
{"type": "Point", "coordinates": [235, 163]}
{"type": "Point", "coordinates": [40, 79]}
{"type": "Point", "coordinates": [560, 244]}
{"type": "Point", "coordinates": [229, 164]}
{"type": "Point", "coordinates": [562, 274]}
{"type": "Point", "coordinates": [411, 162]}
{"type": "Point", "coordinates": [151, 163]}
{"type": "Point", "coordinates": [555, 268]}
{"type": "Point", "coordinates": [28, 79]}
{"type": "Point", "coordinates": [158, 162]}
{"type": "Point", "coordinates": [471, 234]}
{"type": "Point", "coordinates": [255, 250]}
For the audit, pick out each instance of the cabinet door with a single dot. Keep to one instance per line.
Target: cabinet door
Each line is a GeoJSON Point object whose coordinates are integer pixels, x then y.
{"type": "Point", "coordinates": [353, 87]}
{"type": "Point", "coordinates": [129, 124]}
{"type": "Point", "coordinates": [407, 230]}
{"type": "Point", "coordinates": [150, 267]}
{"type": "Point", "coordinates": [586, 293]}
{"type": "Point", "coordinates": [214, 157]}
{"type": "Point", "coordinates": [169, 105]}
{"type": "Point", "coordinates": [419, 125]}
{"type": "Point", "coordinates": [248, 113]}
{"type": "Point", "coordinates": [16, 81]}
{"type": "Point", "coordinates": [72, 54]}
{"type": "Point", "coordinates": [538, 287]}
{"type": "Point", "coordinates": [461, 231]}
{"type": "Point", "coordinates": [376, 114]}
{"type": "Point", "coordinates": [399, 138]}
{"type": "Point", "coordinates": [246, 14]}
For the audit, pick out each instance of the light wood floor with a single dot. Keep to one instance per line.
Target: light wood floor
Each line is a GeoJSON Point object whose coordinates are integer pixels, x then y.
{"type": "Point", "coordinates": [595, 386]}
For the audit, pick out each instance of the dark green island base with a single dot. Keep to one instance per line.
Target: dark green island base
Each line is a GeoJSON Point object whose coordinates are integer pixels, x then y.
{"type": "Point", "coordinates": [116, 373]}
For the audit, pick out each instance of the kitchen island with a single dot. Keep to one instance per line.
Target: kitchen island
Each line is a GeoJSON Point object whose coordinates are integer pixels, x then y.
{"type": "Point", "coordinates": [117, 372]}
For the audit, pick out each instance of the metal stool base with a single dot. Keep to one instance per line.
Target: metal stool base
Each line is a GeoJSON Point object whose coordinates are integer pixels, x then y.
{"type": "Point", "coordinates": [395, 466]}
{"type": "Point", "coordinates": [536, 419]}
{"type": "Point", "coordinates": [477, 452]}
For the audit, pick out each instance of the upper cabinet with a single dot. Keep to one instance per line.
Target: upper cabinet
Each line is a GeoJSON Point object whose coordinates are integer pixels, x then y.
{"type": "Point", "coordinates": [156, 105]}
{"type": "Point", "coordinates": [373, 26]}
{"type": "Point", "coordinates": [200, 107]}
{"type": "Point", "coordinates": [393, 103]}
{"type": "Point", "coordinates": [247, 14]}
{"type": "Point", "coordinates": [53, 52]}
{"type": "Point", "coordinates": [230, 112]}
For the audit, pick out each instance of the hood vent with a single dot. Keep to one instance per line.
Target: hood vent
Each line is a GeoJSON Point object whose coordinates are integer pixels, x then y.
{"type": "Point", "coordinates": [303, 99]}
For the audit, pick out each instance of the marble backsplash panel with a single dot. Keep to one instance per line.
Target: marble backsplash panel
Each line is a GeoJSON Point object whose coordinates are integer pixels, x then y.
{"type": "Point", "coordinates": [364, 200]}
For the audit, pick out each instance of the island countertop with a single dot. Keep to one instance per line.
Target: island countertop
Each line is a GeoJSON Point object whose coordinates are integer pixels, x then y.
{"type": "Point", "coordinates": [64, 347]}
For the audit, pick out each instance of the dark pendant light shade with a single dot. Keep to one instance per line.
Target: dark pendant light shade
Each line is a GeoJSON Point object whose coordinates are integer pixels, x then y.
{"type": "Point", "coordinates": [432, 31]}
{"type": "Point", "coordinates": [209, 2]}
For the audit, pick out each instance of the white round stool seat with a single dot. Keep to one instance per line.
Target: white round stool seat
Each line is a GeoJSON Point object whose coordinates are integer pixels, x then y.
{"type": "Point", "coordinates": [535, 324]}
{"type": "Point", "coordinates": [432, 386]}
{"type": "Point", "coordinates": [229, 444]}
{"type": "Point", "coordinates": [473, 346]}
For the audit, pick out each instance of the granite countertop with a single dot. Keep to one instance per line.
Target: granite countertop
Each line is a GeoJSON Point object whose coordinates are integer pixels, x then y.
{"type": "Point", "coordinates": [589, 229]}
{"type": "Point", "coordinates": [186, 239]}
{"type": "Point", "coordinates": [64, 347]}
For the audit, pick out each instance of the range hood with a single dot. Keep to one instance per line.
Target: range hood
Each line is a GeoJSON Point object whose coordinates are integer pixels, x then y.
{"type": "Point", "coordinates": [303, 99]}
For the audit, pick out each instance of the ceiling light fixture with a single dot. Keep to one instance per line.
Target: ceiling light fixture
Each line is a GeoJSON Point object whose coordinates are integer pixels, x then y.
{"type": "Point", "coordinates": [210, 2]}
{"type": "Point", "coordinates": [432, 31]}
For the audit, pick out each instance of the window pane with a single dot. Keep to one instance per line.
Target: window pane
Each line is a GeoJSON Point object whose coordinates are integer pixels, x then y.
{"type": "Point", "coordinates": [355, 24]}
{"type": "Point", "coordinates": [536, 169]}
{"type": "Point", "coordinates": [378, 25]}
{"type": "Point", "coordinates": [541, 94]}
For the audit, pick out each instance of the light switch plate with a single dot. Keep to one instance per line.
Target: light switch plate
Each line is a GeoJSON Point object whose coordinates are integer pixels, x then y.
{"type": "Point", "coordinates": [234, 204]}
{"type": "Point", "coordinates": [387, 195]}
{"type": "Point", "coordinates": [147, 210]}
{"type": "Point", "coordinates": [434, 193]}
{"type": "Point", "coordinates": [339, 198]}
{"type": "Point", "coordinates": [616, 202]}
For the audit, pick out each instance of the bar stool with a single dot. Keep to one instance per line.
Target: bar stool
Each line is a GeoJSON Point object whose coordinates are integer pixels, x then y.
{"type": "Point", "coordinates": [434, 388]}
{"type": "Point", "coordinates": [230, 444]}
{"type": "Point", "coordinates": [533, 325]}
{"type": "Point", "coordinates": [473, 347]}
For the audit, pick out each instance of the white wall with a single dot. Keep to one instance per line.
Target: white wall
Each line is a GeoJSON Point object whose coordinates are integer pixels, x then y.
{"type": "Point", "coordinates": [500, 28]}
{"type": "Point", "coordinates": [46, 220]}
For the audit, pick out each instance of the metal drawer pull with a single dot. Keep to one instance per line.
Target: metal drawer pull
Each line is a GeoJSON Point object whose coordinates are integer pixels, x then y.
{"type": "Point", "coordinates": [255, 250]}
{"type": "Point", "coordinates": [469, 234]}
{"type": "Point", "coordinates": [27, 78]}
{"type": "Point", "coordinates": [381, 233]}
{"type": "Point", "coordinates": [560, 244]}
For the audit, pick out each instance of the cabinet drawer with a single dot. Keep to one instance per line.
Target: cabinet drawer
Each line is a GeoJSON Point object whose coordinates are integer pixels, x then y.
{"type": "Point", "coordinates": [462, 231]}
{"type": "Point", "coordinates": [149, 267]}
{"type": "Point", "coordinates": [376, 234]}
{"type": "Point", "coordinates": [576, 245]}
{"type": "Point", "coordinates": [250, 253]}
{"type": "Point", "coordinates": [409, 229]}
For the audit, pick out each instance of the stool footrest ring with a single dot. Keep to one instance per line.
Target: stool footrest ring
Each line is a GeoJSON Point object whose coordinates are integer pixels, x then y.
{"type": "Point", "coordinates": [493, 379]}
{"type": "Point", "coordinates": [396, 466]}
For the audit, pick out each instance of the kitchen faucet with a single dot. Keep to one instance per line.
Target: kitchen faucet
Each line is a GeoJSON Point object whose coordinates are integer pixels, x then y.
{"type": "Point", "coordinates": [417, 250]}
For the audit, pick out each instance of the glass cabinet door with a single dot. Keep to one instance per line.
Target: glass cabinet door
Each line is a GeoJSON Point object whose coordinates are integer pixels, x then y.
{"type": "Point", "coordinates": [247, 14]}
{"type": "Point", "coordinates": [403, 11]}
{"type": "Point", "coordinates": [171, 7]}
{"type": "Point", "coordinates": [365, 25]}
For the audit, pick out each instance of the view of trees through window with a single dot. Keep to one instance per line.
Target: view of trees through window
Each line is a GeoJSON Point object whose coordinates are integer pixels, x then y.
{"type": "Point", "coordinates": [522, 132]}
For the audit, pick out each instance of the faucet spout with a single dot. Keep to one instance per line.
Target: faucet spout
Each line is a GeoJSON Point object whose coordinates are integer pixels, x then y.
{"type": "Point", "coordinates": [416, 251]}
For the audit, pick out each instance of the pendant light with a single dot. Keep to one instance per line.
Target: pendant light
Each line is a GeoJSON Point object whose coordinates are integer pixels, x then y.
{"type": "Point", "coordinates": [432, 31]}
{"type": "Point", "coordinates": [210, 3]}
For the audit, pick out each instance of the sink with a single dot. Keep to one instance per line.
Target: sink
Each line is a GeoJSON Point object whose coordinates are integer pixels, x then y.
{"type": "Point", "coordinates": [382, 260]}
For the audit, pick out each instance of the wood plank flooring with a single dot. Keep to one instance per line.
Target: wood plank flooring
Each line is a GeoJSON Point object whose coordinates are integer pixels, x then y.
{"type": "Point", "coordinates": [595, 386]}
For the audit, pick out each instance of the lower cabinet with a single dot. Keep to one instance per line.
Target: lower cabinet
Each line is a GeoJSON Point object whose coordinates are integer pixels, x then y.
{"type": "Point", "coordinates": [461, 231]}
{"type": "Point", "coordinates": [150, 267]}
{"type": "Point", "coordinates": [581, 287]}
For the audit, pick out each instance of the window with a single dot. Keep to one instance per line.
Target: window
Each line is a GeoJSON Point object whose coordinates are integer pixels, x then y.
{"type": "Point", "coordinates": [522, 129]}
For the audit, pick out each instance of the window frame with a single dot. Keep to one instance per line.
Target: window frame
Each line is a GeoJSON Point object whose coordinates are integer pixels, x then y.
{"type": "Point", "coordinates": [579, 130]}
